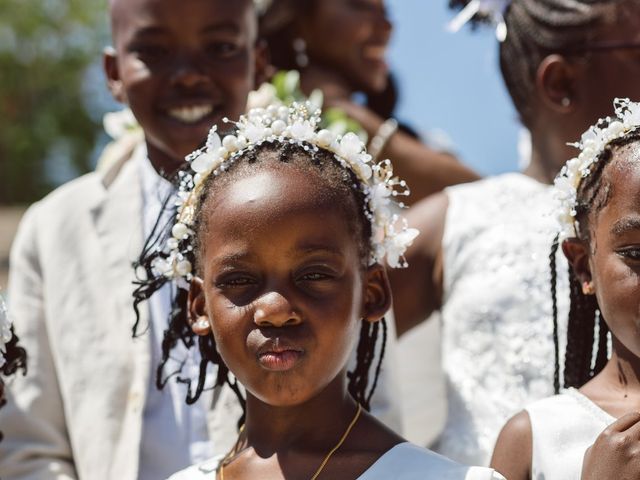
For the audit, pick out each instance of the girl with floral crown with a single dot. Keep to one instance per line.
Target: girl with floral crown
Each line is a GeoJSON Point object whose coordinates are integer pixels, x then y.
{"type": "Point", "coordinates": [599, 211]}
{"type": "Point", "coordinates": [278, 241]}
{"type": "Point", "coordinates": [485, 264]}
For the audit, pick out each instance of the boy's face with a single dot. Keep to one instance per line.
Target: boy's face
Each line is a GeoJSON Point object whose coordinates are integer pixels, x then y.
{"type": "Point", "coordinates": [182, 66]}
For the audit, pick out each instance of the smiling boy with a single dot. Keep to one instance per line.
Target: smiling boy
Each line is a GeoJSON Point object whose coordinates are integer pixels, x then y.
{"type": "Point", "coordinates": [88, 408]}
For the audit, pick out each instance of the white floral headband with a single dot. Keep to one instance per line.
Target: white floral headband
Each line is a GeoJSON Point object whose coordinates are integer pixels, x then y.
{"type": "Point", "coordinates": [5, 331]}
{"type": "Point", "coordinates": [491, 9]}
{"type": "Point", "coordinates": [591, 145]}
{"type": "Point", "coordinates": [390, 236]}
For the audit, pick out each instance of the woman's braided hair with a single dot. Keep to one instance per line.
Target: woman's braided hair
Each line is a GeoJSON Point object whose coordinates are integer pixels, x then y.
{"type": "Point", "coordinates": [536, 29]}
{"type": "Point", "coordinates": [587, 331]}
{"type": "Point", "coordinates": [341, 181]}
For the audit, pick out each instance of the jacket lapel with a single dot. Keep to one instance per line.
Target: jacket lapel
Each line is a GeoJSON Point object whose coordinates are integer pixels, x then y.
{"type": "Point", "coordinates": [117, 218]}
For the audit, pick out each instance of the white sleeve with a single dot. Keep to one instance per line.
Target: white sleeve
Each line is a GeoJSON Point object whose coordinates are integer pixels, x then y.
{"type": "Point", "coordinates": [36, 444]}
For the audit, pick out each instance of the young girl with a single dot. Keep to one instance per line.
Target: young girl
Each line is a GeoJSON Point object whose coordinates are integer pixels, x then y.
{"type": "Point", "coordinates": [485, 264]}
{"type": "Point", "coordinates": [281, 231]}
{"type": "Point", "coordinates": [599, 193]}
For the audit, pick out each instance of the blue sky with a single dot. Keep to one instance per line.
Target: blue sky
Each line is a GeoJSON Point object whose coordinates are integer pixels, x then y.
{"type": "Point", "coordinates": [452, 82]}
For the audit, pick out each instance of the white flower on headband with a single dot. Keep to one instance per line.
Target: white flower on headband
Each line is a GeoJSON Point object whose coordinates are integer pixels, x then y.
{"type": "Point", "coordinates": [591, 145]}
{"type": "Point", "coordinates": [492, 9]}
{"type": "Point", "coordinates": [391, 235]}
{"type": "Point", "coordinates": [5, 331]}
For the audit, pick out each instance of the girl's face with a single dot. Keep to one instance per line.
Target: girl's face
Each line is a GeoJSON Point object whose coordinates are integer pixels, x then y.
{"type": "Point", "coordinates": [350, 36]}
{"type": "Point", "coordinates": [612, 260]}
{"type": "Point", "coordinates": [282, 283]}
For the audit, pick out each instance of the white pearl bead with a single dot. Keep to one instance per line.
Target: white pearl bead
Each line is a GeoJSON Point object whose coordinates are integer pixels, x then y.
{"type": "Point", "coordinates": [179, 231]}
{"type": "Point", "coordinates": [183, 268]}
{"type": "Point", "coordinates": [325, 138]}
{"type": "Point", "coordinates": [278, 127]}
{"type": "Point", "coordinates": [230, 142]}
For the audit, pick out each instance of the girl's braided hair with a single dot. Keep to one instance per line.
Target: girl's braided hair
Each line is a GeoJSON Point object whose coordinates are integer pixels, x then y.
{"type": "Point", "coordinates": [587, 331]}
{"type": "Point", "coordinates": [339, 180]}
{"type": "Point", "coordinates": [536, 29]}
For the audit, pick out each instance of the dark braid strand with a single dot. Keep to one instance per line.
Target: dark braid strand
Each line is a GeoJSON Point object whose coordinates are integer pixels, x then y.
{"type": "Point", "coordinates": [554, 310]}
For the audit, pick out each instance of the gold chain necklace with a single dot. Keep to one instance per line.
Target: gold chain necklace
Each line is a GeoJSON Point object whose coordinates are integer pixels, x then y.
{"type": "Point", "coordinates": [326, 458]}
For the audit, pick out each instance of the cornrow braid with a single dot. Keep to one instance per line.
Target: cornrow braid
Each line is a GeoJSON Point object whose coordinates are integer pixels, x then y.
{"type": "Point", "coordinates": [179, 331]}
{"type": "Point", "coordinates": [536, 29]}
{"type": "Point", "coordinates": [587, 328]}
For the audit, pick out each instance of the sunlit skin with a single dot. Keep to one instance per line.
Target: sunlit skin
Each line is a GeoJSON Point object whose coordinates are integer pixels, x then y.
{"type": "Point", "coordinates": [283, 285]}
{"type": "Point", "coordinates": [609, 261]}
{"type": "Point", "coordinates": [171, 56]}
{"type": "Point", "coordinates": [614, 270]}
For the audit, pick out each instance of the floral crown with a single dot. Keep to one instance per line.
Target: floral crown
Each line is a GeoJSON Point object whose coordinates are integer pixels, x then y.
{"type": "Point", "coordinates": [491, 11]}
{"type": "Point", "coordinates": [5, 331]}
{"type": "Point", "coordinates": [592, 144]}
{"type": "Point", "coordinates": [295, 125]}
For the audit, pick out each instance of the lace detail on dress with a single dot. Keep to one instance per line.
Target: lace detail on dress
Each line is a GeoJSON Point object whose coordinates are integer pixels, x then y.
{"type": "Point", "coordinates": [498, 351]}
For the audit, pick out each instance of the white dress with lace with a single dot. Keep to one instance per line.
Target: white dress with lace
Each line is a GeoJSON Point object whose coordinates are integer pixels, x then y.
{"type": "Point", "coordinates": [405, 461]}
{"type": "Point", "coordinates": [497, 327]}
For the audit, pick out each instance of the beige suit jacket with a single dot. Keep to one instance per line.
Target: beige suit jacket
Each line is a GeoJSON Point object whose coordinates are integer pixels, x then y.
{"type": "Point", "coordinates": [78, 411]}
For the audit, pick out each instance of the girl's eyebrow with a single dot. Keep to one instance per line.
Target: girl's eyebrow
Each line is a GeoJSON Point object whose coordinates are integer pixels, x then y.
{"type": "Point", "coordinates": [625, 225]}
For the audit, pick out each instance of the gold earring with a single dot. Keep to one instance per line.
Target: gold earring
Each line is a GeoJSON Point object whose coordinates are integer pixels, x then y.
{"type": "Point", "coordinates": [587, 288]}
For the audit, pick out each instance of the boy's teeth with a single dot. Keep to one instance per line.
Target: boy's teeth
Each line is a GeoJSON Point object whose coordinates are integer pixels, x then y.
{"type": "Point", "coordinates": [191, 114]}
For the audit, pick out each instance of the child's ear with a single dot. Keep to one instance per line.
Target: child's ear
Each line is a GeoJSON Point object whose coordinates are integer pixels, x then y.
{"type": "Point", "coordinates": [198, 318]}
{"type": "Point", "coordinates": [377, 293]}
{"type": "Point", "coordinates": [555, 83]}
{"type": "Point", "coordinates": [577, 253]}
{"type": "Point", "coordinates": [263, 68]}
{"type": "Point", "coordinates": [112, 72]}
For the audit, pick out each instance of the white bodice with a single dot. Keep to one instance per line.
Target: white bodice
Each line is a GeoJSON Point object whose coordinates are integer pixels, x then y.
{"type": "Point", "coordinates": [562, 428]}
{"type": "Point", "coordinates": [402, 462]}
{"type": "Point", "coordinates": [497, 327]}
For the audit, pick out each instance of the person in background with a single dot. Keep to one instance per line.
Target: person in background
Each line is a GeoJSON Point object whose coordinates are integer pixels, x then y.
{"type": "Point", "coordinates": [485, 262]}
{"type": "Point", "coordinates": [339, 48]}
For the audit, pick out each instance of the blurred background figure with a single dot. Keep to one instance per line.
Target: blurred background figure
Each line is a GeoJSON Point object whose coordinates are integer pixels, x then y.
{"type": "Point", "coordinates": [340, 48]}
